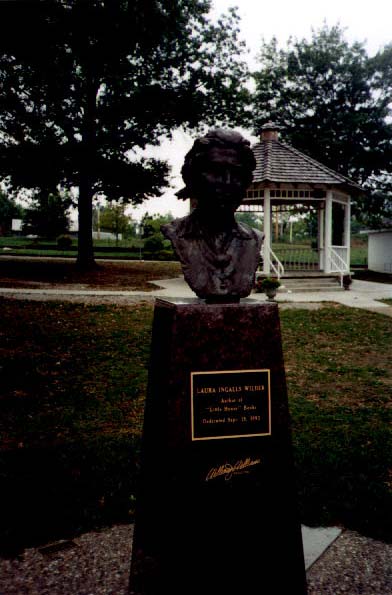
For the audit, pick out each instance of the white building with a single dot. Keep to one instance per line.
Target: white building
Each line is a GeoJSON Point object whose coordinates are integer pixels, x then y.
{"type": "Point", "coordinates": [380, 251]}
{"type": "Point", "coordinates": [17, 224]}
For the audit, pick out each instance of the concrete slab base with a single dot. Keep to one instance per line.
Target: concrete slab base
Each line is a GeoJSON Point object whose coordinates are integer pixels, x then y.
{"type": "Point", "coordinates": [316, 540]}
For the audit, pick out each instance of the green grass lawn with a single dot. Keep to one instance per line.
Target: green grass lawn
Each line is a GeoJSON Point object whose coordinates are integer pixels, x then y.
{"type": "Point", "coordinates": [73, 382]}
{"type": "Point", "coordinates": [110, 249]}
{"type": "Point", "coordinates": [23, 242]}
{"type": "Point", "coordinates": [71, 372]}
{"type": "Point", "coordinates": [22, 246]}
{"type": "Point", "coordinates": [339, 374]}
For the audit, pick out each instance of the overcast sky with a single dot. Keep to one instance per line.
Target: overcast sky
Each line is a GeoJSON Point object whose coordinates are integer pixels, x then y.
{"type": "Point", "coordinates": [366, 21]}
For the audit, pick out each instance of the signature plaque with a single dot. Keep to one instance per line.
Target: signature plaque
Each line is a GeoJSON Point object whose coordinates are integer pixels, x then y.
{"type": "Point", "coordinates": [230, 404]}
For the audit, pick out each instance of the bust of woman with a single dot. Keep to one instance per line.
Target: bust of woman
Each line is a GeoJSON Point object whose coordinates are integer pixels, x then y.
{"type": "Point", "coordinates": [219, 256]}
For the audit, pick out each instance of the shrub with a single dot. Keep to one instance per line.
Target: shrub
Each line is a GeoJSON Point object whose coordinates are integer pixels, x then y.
{"type": "Point", "coordinates": [64, 242]}
{"type": "Point", "coordinates": [165, 255]}
{"type": "Point", "coordinates": [157, 248]}
{"type": "Point", "coordinates": [154, 243]}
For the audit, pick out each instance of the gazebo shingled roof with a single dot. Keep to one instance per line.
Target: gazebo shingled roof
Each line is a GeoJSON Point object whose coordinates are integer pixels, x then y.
{"type": "Point", "coordinates": [278, 162]}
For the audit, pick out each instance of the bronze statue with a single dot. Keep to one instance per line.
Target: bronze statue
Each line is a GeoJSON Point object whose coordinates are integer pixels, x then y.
{"type": "Point", "coordinates": [219, 256]}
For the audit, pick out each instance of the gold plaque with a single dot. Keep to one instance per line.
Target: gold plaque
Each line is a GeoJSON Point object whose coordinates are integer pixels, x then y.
{"type": "Point", "coordinates": [230, 404]}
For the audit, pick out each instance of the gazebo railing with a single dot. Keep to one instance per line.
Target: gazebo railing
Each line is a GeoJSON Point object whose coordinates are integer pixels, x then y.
{"type": "Point", "coordinates": [304, 259]}
{"type": "Point", "coordinates": [276, 265]}
{"type": "Point", "coordinates": [338, 257]}
{"type": "Point", "coordinates": [298, 259]}
{"type": "Point", "coordinates": [269, 257]}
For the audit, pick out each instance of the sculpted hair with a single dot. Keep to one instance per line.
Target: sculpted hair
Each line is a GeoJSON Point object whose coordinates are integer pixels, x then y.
{"type": "Point", "coordinates": [216, 138]}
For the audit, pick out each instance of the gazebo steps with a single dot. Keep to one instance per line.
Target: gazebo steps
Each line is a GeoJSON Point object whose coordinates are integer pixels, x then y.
{"type": "Point", "coordinates": [302, 282]}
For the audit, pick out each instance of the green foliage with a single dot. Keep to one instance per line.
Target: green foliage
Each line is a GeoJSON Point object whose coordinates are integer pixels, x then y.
{"type": "Point", "coordinates": [379, 201]}
{"type": "Point", "coordinates": [263, 284]}
{"type": "Point", "coordinates": [333, 103]}
{"type": "Point", "coordinates": [113, 218]}
{"type": "Point", "coordinates": [154, 243]}
{"type": "Point", "coordinates": [151, 224]}
{"type": "Point", "coordinates": [47, 217]}
{"type": "Point", "coordinates": [87, 85]}
{"type": "Point", "coordinates": [270, 283]}
{"type": "Point", "coordinates": [156, 247]}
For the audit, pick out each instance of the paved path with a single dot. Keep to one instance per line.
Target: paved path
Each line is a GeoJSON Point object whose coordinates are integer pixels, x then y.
{"type": "Point", "coordinates": [363, 294]}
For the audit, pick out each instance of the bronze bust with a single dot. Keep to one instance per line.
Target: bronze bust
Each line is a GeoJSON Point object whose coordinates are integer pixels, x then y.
{"type": "Point", "coordinates": [219, 256]}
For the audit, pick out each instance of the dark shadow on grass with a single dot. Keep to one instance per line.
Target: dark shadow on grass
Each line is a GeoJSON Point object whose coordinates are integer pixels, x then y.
{"type": "Point", "coordinates": [61, 491]}
{"type": "Point", "coordinates": [131, 275]}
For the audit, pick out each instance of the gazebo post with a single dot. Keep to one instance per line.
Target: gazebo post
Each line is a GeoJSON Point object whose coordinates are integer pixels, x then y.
{"type": "Point", "coordinates": [347, 231]}
{"type": "Point", "coordinates": [328, 232]}
{"type": "Point", "coordinates": [267, 233]}
{"type": "Point", "coordinates": [320, 231]}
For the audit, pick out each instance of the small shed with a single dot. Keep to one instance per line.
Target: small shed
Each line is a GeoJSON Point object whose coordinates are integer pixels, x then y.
{"type": "Point", "coordinates": [380, 250]}
{"type": "Point", "coordinates": [287, 180]}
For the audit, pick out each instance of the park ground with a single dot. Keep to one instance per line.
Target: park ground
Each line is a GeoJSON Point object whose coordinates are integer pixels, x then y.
{"type": "Point", "coordinates": [72, 394]}
{"type": "Point", "coordinates": [37, 272]}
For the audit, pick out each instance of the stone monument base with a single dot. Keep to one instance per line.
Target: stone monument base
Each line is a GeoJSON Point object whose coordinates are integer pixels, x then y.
{"type": "Point", "coordinates": [216, 510]}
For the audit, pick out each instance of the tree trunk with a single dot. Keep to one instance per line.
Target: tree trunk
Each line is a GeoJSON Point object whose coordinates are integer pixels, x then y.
{"type": "Point", "coordinates": [85, 259]}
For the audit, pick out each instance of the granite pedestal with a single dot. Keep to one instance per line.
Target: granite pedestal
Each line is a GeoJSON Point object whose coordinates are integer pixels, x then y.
{"type": "Point", "coordinates": [216, 508]}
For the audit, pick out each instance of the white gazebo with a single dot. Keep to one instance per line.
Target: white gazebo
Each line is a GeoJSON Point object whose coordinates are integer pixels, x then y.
{"type": "Point", "coordinates": [287, 180]}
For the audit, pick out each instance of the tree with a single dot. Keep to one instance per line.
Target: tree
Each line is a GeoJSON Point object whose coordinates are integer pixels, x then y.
{"type": "Point", "coordinates": [150, 227]}
{"type": "Point", "coordinates": [381, 186]}
{"type": "Point", "coordinates": [379, 209]}
{"type": "Point", "coordinates": [151, 224]}
{"type": "Point", "coordinates": [8, 210]}
{"type": "Point", "coordinates": [86, 84]}
{"type": "Point", "coordinates": [330, 99]}
{"type": "Point", "coordinates": [113, 218]}
{"type": "Point", "coordinates": [48, 215]}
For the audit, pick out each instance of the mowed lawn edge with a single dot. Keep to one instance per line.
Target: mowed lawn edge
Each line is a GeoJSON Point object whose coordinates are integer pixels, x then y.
{"type": "Point", "coordinates": [72, 395]}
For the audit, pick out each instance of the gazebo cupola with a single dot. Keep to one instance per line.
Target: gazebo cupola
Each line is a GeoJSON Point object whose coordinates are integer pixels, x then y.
{"type": "Point", "coordinates": [286, 179]}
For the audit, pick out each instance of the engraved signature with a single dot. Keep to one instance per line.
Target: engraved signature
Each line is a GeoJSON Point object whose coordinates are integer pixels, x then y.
{"type": "Point", "coordinates": [227, 470]}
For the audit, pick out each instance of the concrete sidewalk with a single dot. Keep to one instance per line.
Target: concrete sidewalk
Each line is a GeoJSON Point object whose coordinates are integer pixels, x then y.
{"type": "Point", "coordinates": [363, 294]}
